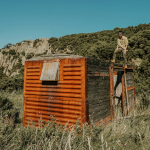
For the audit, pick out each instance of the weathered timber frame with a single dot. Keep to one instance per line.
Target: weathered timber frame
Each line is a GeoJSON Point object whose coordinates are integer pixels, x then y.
{"type": "Point", "coordinates": [128, 91]}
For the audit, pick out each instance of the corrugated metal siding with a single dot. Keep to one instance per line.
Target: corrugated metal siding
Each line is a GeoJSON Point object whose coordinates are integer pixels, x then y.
{"type": "Point", "coordinates": [65, 102]}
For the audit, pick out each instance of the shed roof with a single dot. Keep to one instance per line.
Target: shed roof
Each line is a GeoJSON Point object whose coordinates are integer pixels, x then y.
{"type": "Point", "coordinates": [54, 56]}
{"type": "Point", "coordinates": [63, 56]}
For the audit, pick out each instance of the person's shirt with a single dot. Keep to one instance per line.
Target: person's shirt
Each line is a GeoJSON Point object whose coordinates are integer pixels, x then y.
{"type": "Point", "coordinates": [122, 42]}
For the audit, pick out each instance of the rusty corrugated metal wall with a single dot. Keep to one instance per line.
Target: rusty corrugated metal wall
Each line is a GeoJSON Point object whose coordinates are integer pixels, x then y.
{"type": "Point", "coordinates": [66, 101]}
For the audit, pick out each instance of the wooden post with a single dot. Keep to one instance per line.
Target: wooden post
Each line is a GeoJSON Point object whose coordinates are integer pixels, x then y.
{"type": "Point", "coordinates": [126, 90]}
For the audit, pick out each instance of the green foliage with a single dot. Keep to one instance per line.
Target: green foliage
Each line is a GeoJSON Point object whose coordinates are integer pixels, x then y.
{"type": "Point", "coordinates": [36, 41]}
{"type": "Point", "coordinates": [1, 72]}
{"type": "Point", "coordinates": [4, 52]}
{"type": "Point", "coordinates": [8, 58]}
{"type": "Point", "coordinates": [29, 55]}
{"type": "Point", "coordinates": [102, 44]}
{"type": "Point", "coordinates": [19, 44]}
{"type": "Point", "coordinates": [23, 53]}
{"type": "Point", "coordinates": [142, 80]}
{"type": "Point", "coordinates": [15, 82]}
{"type": "Point", "coordinates": [12, 52]}
{"type": "Point", "coordinates": [12, 83]}
{"type": "Point", "coordinates": [8, 112]}
{"type": "Point", "coordinates": [8, 45]}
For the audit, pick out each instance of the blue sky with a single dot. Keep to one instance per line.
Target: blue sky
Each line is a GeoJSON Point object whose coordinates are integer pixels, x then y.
{"type": "Point", "coordinates": [31, 19]}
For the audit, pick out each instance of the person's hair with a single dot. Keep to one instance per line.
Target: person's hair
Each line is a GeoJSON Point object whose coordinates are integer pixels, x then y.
{"type": "Point", "coordinates": [120, 32]}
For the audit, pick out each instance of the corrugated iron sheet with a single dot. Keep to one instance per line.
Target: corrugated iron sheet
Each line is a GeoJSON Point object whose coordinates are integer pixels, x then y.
{"type": "Point", "coordinates": [65, 101]}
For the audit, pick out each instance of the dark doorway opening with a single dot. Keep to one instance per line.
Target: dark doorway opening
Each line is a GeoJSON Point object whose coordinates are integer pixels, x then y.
{"type": "Point", "coordinates": [49, 83]}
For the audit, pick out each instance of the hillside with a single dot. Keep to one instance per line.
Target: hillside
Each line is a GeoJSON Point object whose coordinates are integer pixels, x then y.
{"type": "Point", "coordinates": [100, 45]}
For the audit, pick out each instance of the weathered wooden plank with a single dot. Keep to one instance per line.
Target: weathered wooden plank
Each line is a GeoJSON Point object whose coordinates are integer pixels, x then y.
{"type": "Point", "coordinates": [98, 89]}
{"type": "Point", "coordinates": [98, 96]}
{"type": "Point", "coordinates": [100, 116]}
{"type": "Point", "coordinates": [97, 109]}
{"type": "Point", "coordinates": [99, 102]}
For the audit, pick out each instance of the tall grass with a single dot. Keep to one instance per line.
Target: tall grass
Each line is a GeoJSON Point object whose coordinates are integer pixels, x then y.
{"type": "Point", "coordinates": [124, 133]}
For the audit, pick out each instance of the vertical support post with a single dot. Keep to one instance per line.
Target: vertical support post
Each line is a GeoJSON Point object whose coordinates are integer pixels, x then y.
{"type": "Point", "coordinates": [134, 89]}
{"type": "Point", "coordinates": [126, 90]}
{"type": "Point", "coordinates": [112, 102]}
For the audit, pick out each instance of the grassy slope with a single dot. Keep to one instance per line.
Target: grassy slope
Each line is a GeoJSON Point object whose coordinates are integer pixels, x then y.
{"type": "Point", "coordinates": [130, 133]}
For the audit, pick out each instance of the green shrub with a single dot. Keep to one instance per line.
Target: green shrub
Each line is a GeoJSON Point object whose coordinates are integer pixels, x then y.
{"type": "Point", "coordinates": [12, 83]}
{"type": "Point", "coordinates": [4, 52]}
{"type": "Point", "coordinates": [1, 72]}
{"type": "Point", "coordinates": [12, 52]}
{"type": "Point", "coordinates": [23, 53]}
{"type": "Point", "coordinates": [19, 44]}
{"type": "Point", "coordinates": [29, 55]}
{"type": "Point", "coordinates": [8, 45]}
{"type": "Point", "coordinates": [8, 111]}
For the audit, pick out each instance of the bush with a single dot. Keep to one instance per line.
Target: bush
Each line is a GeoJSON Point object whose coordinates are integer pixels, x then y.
{"type": "Point", "coordinates": [12, 83]}
{"type": "Point", "coordinates": [19, 44]}
{"type": "Point", "coordinates": [12, 52]}
{"type": "Point", "coordinates": [4, 52]}
{"type": "Point", "coordinates": [29, 55]}
{"type": "Point", "coordinates": [1, 72]}
{"type": "Point", "coordinates": [8, 111]}
{"type": "Point", "coordinates": [8, 45]}
{"type": "Point", "coordinates": [23, 53]}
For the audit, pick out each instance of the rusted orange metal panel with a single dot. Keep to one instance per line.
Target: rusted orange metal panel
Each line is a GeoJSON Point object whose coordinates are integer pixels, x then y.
{"type": "Point", "coordinates": [66, 101]}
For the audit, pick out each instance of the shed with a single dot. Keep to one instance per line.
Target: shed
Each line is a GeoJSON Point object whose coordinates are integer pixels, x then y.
{"type": "Point", "coordinates": [71, 87]}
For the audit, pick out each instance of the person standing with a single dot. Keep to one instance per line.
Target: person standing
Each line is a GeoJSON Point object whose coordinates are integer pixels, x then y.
{"type": "Point", "coordinates": [122, 44]}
